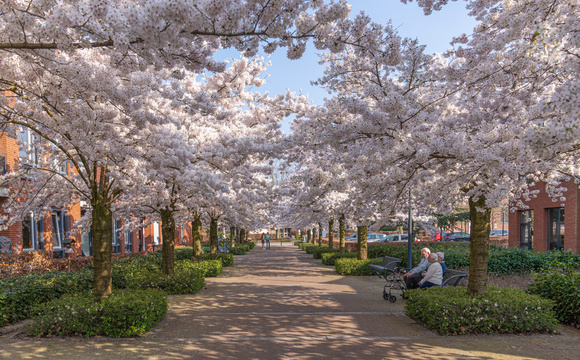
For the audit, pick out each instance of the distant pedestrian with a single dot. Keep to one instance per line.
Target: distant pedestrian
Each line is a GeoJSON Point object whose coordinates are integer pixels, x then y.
{"type": "Point", "coordinates": [263, 240]}
{"type": "Point", "coordinates": [268, 242]}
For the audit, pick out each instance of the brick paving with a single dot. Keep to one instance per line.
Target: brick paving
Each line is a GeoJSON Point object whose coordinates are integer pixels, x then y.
{"type": "Point", "coordinates": [282, 304]}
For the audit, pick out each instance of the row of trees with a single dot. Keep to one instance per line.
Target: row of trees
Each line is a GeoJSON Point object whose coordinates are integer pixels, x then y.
{"type": "Point", "coordinates": [480, 123]}
{"type": "Point", "coordinates": [129, 95]}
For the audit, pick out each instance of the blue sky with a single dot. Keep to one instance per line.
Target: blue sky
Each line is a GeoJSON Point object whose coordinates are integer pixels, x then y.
{"type": "Point", "coordinates": [435, 31]}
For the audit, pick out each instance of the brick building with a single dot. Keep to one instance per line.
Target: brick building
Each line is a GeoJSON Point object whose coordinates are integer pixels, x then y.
{"type": "Point", "coordinates": [47, 231]}
{"type": "Point", "coordinates": [547, 225]}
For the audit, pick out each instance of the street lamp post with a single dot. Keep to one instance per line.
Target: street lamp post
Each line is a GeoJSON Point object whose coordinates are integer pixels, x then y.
{"type": "Point", "coordinates": [410, 242]}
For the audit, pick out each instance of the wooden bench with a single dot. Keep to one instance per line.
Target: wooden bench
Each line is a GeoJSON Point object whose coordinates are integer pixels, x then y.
{"type": "Point", "coordinates": [453, 278]}
{"type": "Point", "coordinates": [387, 263]}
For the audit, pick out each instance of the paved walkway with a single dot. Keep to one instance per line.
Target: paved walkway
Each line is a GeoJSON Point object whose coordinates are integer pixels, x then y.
{"type": "Point", "coordinates": [282, 304]}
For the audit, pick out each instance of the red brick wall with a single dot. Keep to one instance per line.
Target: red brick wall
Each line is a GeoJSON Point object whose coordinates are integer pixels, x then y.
{"type": "Point", "coordinates": [540, 205]}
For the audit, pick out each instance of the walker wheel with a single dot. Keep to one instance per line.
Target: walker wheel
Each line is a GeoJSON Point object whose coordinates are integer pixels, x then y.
{"type": "Point", "coordinates": [392, 298]}
{"type": "Point", "coordinates": [385, 296]}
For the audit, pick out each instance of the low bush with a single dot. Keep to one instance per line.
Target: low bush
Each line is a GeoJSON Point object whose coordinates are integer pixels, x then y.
{"type": "Point", "coordinates": [123, 314]}
{"type": "Point", "coordinates": [208, 268]}
{"type": "Point", "coordinates": [238, 250]}
{"type": "Point", "coordinates": [311, 248]}
{"type": "Point", "coordinates": [226, 259]}
{"type": "Point", "coordinates": [507, 310]}
{"type": "Point", "coordinates": [501, 260]}
{"type": "Point", "coordinates": [347, 266]}
{"type": "Point", "coordinates": [317, 253]}
{"type": "Point", "coordinates": [297, 242]}
{"type": "Point", "coordinates": [331, 257]}
{"type": "Point", "coordinates": [20, 293]}
{"type": "Point", "coordinates": [564, 289]}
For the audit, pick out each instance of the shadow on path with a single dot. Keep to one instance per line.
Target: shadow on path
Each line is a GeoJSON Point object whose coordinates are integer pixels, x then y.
{"type": "Point", "coordinates": [282, 304]}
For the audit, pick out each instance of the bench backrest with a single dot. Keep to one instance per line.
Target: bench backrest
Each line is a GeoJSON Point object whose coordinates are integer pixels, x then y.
{"type": "Point", "coordinates": [390, 263]}
{"type": "Point", "coordinates": [453, 277]}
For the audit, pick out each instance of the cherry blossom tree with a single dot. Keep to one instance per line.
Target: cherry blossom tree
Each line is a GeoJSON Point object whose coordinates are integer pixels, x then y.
{"type": "Point", "coordinates": [75, 71]}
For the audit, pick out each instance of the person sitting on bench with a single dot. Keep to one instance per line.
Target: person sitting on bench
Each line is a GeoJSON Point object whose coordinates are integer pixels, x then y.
{"type": "Point", "coordinates": [416, 274]}
{"type": "Point", "coordinates": [440, 257]}
{"type": "Point", "coordinates": [434, 275]}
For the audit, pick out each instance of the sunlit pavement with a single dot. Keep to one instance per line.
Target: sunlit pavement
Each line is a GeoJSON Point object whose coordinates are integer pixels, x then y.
{"type": "Point", "coordinates": [283, 304]}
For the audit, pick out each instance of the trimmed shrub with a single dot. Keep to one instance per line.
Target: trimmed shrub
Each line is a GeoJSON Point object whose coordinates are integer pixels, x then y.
{"type": "Point", "coordinates": [501, 260]}
{"type": "Point", "coordinates": [297, 242]}
{"type": "Point", "coordinates": [330, 257]}
{"type": "Point", "coordinates": [311, 248]}
{"type": "Point", "coordinates": [20, 293]}
{"type": "Point", "coordinates": [506, 310]}
{"type": "Point", "coordinates": [208, 268]}
{"type": "Point", "coordinates": [123, 314]}
{"type": "Point", "coordinates": [564, 289]}
{"type": "Point", "coordinates": [317, 253]}
{"type": "Point", "coordinates": [346, 266]}
{"type": "Point", "coordinates": [238, 250]}
{"type": "Point", "coordinates": [226, 259]}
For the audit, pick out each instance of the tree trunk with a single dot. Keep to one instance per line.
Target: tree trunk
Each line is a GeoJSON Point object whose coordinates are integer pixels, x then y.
{"type": "Point", "coordinates": [243, 235]}
{"type": "Point", "coordinates": [213, 236]}
{"type": "Point", "coordinates": [277, 233]}
{"type": "Point", "coordinates": [479, 246]}
{"type": "Point", "coordinates": [362, 242]}
{"type": "Point", "coordinates": [330, 234]}
{"type": "Point", "coordinates": [102, 231]}
{"type": "Point", "coordinates": [314, 235]}
{"type": "Point", "coordinates": [168, 247]}
{"type": "Point", "coordinates": [196, 236]}
{"type": "Point", "coordinates": [341, 233]}
{"type": "Point", "coordinates": [308, 236]}
{"type": "Point", "coordinates": [319, 234]}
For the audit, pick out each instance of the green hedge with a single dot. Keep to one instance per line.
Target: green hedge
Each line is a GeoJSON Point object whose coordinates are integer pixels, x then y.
{"type": "Point", "coordinates": [501, 260]}
{"type": "Point", "coordinates": [208, 268]}
{"type": "Point", "coordinates": [311, 248]}
{"type": "Point", "coordinates": [452, 312]}
{"type": "Point", "coordinates": [238, 250]}
{"type": "Point", "coordinates": [226, 259]}
{"type": "Point", "coordinates": [20, 293]}
{"type": "Point", "coordinates": [125, 313]}
{"type": "Point", "coordinates": [317, 253]}
{"type": "Point", "coordinates": [564, 289]}
{"type": "Point", "coordinates": [346, 266]}
{"type": "Point", "coordinates": [297, 242]}
{"type": "Point", "coordinates": [331, 257]}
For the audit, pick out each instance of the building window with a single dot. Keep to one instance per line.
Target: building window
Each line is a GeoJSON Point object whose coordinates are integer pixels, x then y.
{"type": "Point", "coordinates": [2, 165]}
{"type": "Point", "coordinates": [28, 152]}
{"type": "Point", "coordinates": [156, 238]}
{"type": "Point", "coordinates": [32, 233]}
{"type": "Point", "coordinates": [86, 238]}
{"type": "Point", "coordinates": [116, 236]}
{"type": "Point", "coordinates": [59, 227]}
{"type": "Point", "coordinates": [556, 229]}
{"type": "Point", "coordinates": [128, 241]}
{"type": "Point", "coordinates": [526, 229]}
{"type": "Point", "coordinates": [141, 235]}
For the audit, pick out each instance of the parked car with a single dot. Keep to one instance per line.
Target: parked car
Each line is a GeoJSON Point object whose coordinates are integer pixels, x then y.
{"type": "Point", "coordinates": [458, 236]}
{"type": "Point", "coordinates": [352, 237]}
{"type": "Point", "coordinates": [371, 237]}
{"type": "Point", "coordinates": [398, 238]}
{"type": "Point", "coordinates": [499, 233]}
{"type": "Point", "coordinates": [375, 237]}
